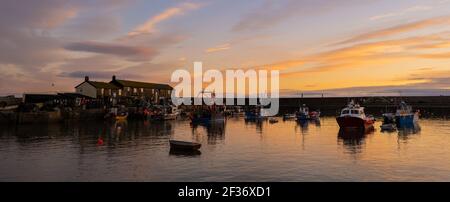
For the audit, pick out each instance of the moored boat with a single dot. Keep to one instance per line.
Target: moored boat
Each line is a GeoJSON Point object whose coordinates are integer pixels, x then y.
{"type": "Point", "coordinates": [183, 145]}
{"type": "Point", "coordinates": [388, 122]}
{"type": "Point", "coordinates": [354, 117]}
{"type": "Point", "coordinates": [303, 113]}
{"type": "Point", "coordinates": [206, 114]}
{"type": "Point", "coordinates": [314, 115]}
{"type": "Point", "coordinates": [405, 117]}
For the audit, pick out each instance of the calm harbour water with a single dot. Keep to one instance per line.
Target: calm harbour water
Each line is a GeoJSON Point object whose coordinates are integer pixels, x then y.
{"type": "Point", "coordinates": [234, 151]}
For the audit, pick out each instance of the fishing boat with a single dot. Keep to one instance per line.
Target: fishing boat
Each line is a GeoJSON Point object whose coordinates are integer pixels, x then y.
{"type": "Point", "coordinates": [303, 113]}
{"type": "Point", "coordinates": [183, 145]}
{"type": "Point", "coordinates": [205, 114]}
{"type": "Point", "coordinates": [388, 122]}
{"type": "Point", "coordinates": [164, 113]}
{"type": "Point", "coordinates": [405, 117]}
{"type": "Point", "coordinates": [353, 117]}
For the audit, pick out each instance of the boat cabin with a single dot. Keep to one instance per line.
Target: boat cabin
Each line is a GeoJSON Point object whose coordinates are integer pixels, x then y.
{"type": "Point", "coordinates": [353, 110]}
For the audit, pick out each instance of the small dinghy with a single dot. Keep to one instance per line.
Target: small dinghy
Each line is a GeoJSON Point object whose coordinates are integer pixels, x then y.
{"type": "Point", "coordinates": [182, 145]}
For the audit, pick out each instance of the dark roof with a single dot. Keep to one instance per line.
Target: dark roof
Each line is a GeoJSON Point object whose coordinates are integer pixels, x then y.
{"type": "Point", "coordinates": [73, 95]}
{"type": "Point", "coordinates": [99, 84]}
{"type": "Point", "coordinates": [137, 84]}
{"type": "Point", "coordinates": [39, 98]}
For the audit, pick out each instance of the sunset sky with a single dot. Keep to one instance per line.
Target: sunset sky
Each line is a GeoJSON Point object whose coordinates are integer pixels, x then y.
{"type": "Point", "coordinates": [336, 47]}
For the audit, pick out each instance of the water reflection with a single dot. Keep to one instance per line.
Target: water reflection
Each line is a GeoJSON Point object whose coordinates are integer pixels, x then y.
{"type": "Point", "coordinates": [185, 153]}
{"type": "Point", "coordinates": [302, 126]}
{"type": "Point", "coordinates": [258, 123]}
{"type": "Point", "coordinates": [215, 131]}
{"type": "Point", "coordinates": [406, 133]}
{"type": "Point", "coordinates": [353, 140]}
{"type": "Point", "coordinates": [140, 151]}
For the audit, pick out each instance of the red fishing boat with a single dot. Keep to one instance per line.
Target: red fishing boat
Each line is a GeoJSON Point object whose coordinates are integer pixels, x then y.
{"type": "Point", "coordinates": [353, 117]}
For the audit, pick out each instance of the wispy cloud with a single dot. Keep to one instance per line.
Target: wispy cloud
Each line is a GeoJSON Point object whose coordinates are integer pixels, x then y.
{"type": "Point", "coordinates": [362, 55]}
{"type": "Point", "coordinates": [272, 13]}
{"type": "Point", "coordinates": [218, 48]}
{"type": "Point", "coordinates": [444, 20]}
{"type": "Point", "coordinates": [130, 52]}
{"type": "Point", "coordinates": [149, 25]}
{"type": "Point", "coordinates": [402, 12]}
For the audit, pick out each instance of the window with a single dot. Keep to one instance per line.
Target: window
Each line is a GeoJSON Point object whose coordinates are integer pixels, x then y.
{"type": "Point", "coordinates": [134, 90]}
{"type": "Point", "coordinates": [102, 91]}
{"type": "Point", "coordinates": [142, 90]}
{"type": "Point", "coordinates": [345, 112]}
{"type": "Point", "coordinates": [355, 112]}
{"type": "Point", "coordinates": [120, 92]}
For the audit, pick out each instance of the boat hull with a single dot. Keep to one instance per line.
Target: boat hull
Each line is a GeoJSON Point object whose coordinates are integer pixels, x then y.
{"type": "Point", "coordinates": [180, 145]}
{"type": "Point", "coordinates": [403, 121]}
{"type": "Point", "coordinates": [348, 122]}
{"type": "Point", "coordinates": [302, 117]}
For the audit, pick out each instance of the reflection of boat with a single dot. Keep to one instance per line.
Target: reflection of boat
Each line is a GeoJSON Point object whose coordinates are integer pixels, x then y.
{"type": "Point", "coordinates": [122, 116]}
{"type": "Point", "coordinates": [273, 120]}
{"type": "Point", "coordinates": [288, 116]}
{"type": "Point", "coordinates": [353, 117]}
{"type": "Point", "coordinates": [182, 145]}
{"type": "Point", "coordinates": [255, 114]}
{"type": "Point", "coordinates": [388, 122]}
{"type": "Point", "coordinates": [352, 139]}
{"type": "Point", "coordinates": [405, 117]}
{"type": "Point", "coordinates": [234, 111]}
{"type": "Point", "coordinates": [178, 152]}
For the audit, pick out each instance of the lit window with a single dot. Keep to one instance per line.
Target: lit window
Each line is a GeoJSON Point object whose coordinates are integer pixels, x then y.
{"type": "Point", "coordinates": [120, 92]}
{"type": "Point", "coordinates": [103, 91]}
{"type": "Point", "coordinates": [142, 90]}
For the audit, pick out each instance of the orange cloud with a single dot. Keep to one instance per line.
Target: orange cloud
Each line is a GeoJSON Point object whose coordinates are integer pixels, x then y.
{"type": "Point", "coordinates": [169, 13]}
{"type": "Point", "coordinates": [399, 29]}
{"type": "Point", "coordinates": [218, 48]}
{"type": "Point", "coordinates": [436, 55]}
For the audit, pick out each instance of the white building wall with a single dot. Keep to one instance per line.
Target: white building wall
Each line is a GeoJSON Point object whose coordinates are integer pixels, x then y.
{"type": "Point", "coordinates": [87, 89]}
